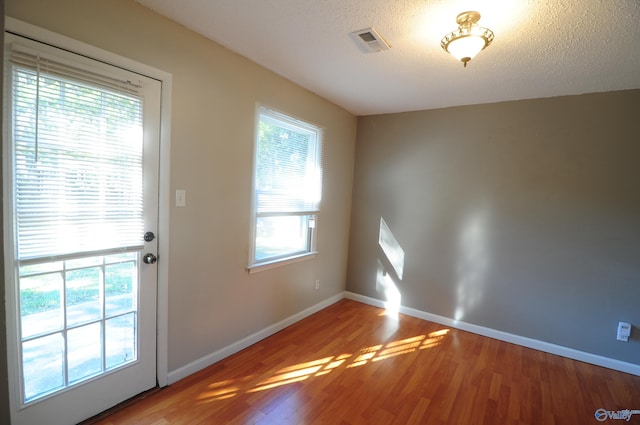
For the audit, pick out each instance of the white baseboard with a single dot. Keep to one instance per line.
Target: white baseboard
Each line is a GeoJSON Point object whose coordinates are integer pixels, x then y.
{"type": "Point", "coordinates": [546, 347]}
{"type": "Point", "coordinates": [216, 356]}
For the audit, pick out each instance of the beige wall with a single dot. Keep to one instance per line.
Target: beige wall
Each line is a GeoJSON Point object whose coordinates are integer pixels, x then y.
{"type": "Point", "coordinates": [520, 216]}
{"type": "Point", "coordinates": [213, 301]}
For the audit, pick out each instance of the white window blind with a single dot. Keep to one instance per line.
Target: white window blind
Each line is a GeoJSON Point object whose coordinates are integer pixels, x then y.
{"type": "Point", "coordinates": [73, 131]}
{"type": "Point", "coordinates": [288, 166]}
{"type": "Point", "coordinates": [288, 188]}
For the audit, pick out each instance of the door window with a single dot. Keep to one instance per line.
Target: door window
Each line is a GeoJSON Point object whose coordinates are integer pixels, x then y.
{"type": "Point", "coordinates": [82, 168]}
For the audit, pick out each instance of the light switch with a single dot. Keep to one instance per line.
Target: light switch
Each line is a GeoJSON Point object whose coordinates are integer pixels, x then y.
{"type": "Point", "coordinates": [181, 198]}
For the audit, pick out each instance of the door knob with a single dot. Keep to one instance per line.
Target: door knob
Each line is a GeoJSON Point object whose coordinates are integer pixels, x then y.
{"type": "Point", "coordinates": [149, 258]}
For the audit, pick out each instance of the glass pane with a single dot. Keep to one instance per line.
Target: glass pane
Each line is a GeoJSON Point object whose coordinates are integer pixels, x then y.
{"type": "Point", "coordinates": [118, 258]}
{"type": "Point", "coordinates": [85, 351]}
{"type": "Point", "coordinates": [120, 284]}
{"type": "Point", "coordinates": [79, 189]}
{"type": "Point", "coordinates": [41, 304]}
{"type": "Point", "coordinates": [281, 236]}
{"type": "Point", "coordinates": [83, 262]}
{"type": "Point", "coordinates": [120, 340]}
{"type": "Point", "coordinates": [287, 170]}
{"type": "Point", "coordinates": [42, 363]}
{"type": "Point", "coordinates": [84, 192]}
{"type": "Point", "coordinates": [40, 268]}
{"type": "Point", "coordinates": [83, 295]}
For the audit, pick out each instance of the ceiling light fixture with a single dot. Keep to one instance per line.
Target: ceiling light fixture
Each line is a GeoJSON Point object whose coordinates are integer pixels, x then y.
{"type": "Point", "coordinates": [469, 39]}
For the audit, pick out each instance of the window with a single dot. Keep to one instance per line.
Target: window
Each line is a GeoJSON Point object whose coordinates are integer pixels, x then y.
{"type": "Point", "coordinates": [78, 160]}
{"type": "Point", "coordinates": [81, 150]}
{"type": "Point", "coordinates": [287, 188]}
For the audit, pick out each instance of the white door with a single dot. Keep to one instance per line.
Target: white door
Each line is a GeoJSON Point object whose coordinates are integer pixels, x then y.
{"type": "Point", "coordinates": [81, 216]}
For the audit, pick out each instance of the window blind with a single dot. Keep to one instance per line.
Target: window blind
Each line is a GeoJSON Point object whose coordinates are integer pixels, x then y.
{"type": "Point", "coordinates": [77, 159]}
{"type": "Point", "coordinates": [288, 166]}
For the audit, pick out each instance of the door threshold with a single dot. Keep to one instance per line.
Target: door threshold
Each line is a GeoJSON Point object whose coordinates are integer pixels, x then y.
{"type": "Point", "coordinates": [102, 415]}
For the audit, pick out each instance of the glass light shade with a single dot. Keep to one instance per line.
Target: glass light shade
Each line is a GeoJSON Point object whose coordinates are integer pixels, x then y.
{"type": "Point", "coordinates": [466, 47]}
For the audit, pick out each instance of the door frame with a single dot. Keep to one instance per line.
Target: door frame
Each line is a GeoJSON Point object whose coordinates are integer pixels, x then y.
{"type": "Point", "coordinates": [164, 199]}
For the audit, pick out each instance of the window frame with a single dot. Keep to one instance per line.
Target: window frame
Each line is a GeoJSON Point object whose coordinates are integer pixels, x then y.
{"type": "Point", "coordinates": [291, 123]}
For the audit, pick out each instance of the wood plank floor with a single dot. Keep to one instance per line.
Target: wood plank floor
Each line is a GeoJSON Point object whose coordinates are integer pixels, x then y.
{"type": "Point", "coordinates": [352, 364]}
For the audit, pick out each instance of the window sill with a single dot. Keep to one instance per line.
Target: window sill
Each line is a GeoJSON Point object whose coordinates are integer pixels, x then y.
{"type": "Point", "coordinates": [255, 268]}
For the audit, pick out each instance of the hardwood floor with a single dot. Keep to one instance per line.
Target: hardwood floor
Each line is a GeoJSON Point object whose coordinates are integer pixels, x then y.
{"type": "Point", "coordinates": [351, 364]}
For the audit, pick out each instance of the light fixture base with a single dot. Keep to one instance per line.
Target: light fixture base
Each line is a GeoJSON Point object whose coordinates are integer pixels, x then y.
{"type": "Point", "coordinates": [468, 18]}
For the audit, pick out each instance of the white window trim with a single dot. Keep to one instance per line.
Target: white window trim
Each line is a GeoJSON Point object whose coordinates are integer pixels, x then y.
{"type": "Point", "coordinates": [268, 265]}
{"type": "Point", "coordinates": [255, 267]}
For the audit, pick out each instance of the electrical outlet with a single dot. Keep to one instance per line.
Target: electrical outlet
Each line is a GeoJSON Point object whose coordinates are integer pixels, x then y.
{"type": "Point", "coordinates": [317, 284]}
{"type": "Point", "coordinates": [624, 331]}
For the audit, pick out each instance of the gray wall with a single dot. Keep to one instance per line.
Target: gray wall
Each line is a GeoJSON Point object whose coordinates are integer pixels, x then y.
{"type": "Point", "coordinates": [522, 216]}
{"type": "Point", "coordinates": [213, 301]}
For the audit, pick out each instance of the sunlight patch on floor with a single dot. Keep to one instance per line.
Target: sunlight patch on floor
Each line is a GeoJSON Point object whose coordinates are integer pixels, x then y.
{"type": "Point", "coordinates": [229, 388]}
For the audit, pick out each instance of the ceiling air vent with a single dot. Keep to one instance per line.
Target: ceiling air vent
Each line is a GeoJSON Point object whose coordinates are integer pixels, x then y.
{"type": "Point", "coordinates": [369, 41]}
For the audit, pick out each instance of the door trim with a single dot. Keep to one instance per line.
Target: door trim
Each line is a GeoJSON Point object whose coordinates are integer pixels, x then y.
{"type": "Point", "coordinates": [164, 199]}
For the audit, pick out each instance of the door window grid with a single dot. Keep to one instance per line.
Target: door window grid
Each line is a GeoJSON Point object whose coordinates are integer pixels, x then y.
{"type": "Point", "coordinates": [94, 331]}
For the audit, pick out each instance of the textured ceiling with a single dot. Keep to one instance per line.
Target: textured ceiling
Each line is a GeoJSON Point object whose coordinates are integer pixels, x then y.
{"type": "Point", "coordinates": [542, 48]}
